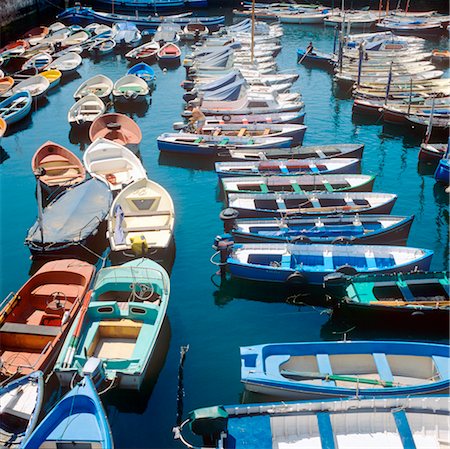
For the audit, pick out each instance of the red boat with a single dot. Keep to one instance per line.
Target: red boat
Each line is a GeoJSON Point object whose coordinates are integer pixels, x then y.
{"type": "Point", "coordinates": [35, 321]}
{"type": "Point", "coordinates": [169, 52]}
{"type": "Point", "coordinates": [116, 127]}
{"type": "Point", "coordinates": [15, 48]}
{"type": "Point", "coordinates": [432, 152]}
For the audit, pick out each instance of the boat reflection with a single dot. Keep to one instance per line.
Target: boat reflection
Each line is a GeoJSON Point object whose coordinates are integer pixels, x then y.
{"type": "Point", "coordinates": [194, 162]}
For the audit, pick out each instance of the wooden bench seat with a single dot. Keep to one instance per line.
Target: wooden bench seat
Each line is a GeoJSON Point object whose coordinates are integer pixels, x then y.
{"type": "Point", "coordinates": [148, 228]}
{"type": "Point", "coordinates": [147, 213]}
{"type": "Point", "coordinates": [28, 329]}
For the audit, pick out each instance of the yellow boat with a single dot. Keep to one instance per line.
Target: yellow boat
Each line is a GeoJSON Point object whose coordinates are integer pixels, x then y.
{"type": "Point", "coordinates": [53, 76]}
{"type": "Point", "coordinates": [2, 127]}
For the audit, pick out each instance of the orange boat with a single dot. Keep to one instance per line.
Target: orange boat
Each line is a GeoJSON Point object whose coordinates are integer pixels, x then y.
{"type": "Point", "coordinates": [35, 35]}
{"type": "Point", "coordinates": [5, 84]}
{"type": "Point", "coordinates": [15, 48]}
{"type": "Point", "coordinates": [116, 127]}
{"type": "Point", "coordinates": [169, 52]}
{"type": "Point", "coordinates": [61, 167]}
{"type": "Point", "coordinates": [2, 127]}
{"type": "Point", "coordinates": [35, 321]}
{"type": "Point", "coordinates": [440, 56]}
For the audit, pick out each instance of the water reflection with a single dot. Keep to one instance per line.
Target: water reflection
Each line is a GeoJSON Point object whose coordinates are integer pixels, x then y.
{"type": "Point", "coordinates": [195, 162]}
{"type": "Point", "coordinates": [3, 155]}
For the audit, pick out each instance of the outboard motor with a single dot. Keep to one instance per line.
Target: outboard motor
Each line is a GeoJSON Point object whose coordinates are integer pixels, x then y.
{"type": "Point", "coordinates": [95, 370]}
{"type": "Point", "coordinates": [210, 423]}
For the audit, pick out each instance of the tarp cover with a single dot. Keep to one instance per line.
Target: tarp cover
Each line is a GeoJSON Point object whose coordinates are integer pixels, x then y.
{"type": "Point", "coordinates": [75, 215]}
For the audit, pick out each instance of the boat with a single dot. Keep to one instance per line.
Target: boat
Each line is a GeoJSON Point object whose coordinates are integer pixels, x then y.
{"type": "Point", "coordinates": [194, 32]}
{"type": "Point", "coordinates": [16, 107]}
{"type": "Point", "coordinates": [40, 314]}
{"type": "Point", "coordinates": [69, 224]}
{"type": "Point", "coordinates": [396, 301]}
{"type": "Point", "coordinates": [293, 131]}
{"type": "Point", "coordinates": [86, 110]}
{"type": "Point", "coordinates": [378, 422]}
{"type": "Point", "coordinates": [167, 32]}
{"type": "Point", "coordinates": [432, 152]}
{"type": "Point", "coordinates": [113, 164]}
{"type": "Point", "coordinates": [313, 204]}
{"type": "Point", "coordinates": [53, 76]}
{"type": "Point", "coordinates": [6, 83]}
{"type": "Point", "coordinates": [3, 128]}
{"type": "Point", "coordinates": [37, 86]}
{"type": "Point", "coordinates": [76, 38]}
{"type": "Point", "coordinates": [204, 144]}
{"type": "Point", "coordinates": [339, 229]}
{"type": "Point", "coordinates": [117, 332]}
{"type": "Point", "coordinates": [298, 184]}
{"type": "Point", "coordinates": [348, 151]}
{"type": "Point", "coordinates": [417, 28]}
{"type": "Point", "coordinates": [80, 13]}
{"type": "Point", "coordinates": [333, 369]}
{"type": "Point", "coordinates": [116, 127]}
{"type": "Point", "coordinates": [16, 48]}
{"type": "Point", "coordinates": [141, 220]}
{"type": "Point", "coordinates": [102, 46]}
{"type": "Point", "coordinates": [440, 57]}
{"type": "Point", "coordinates": [126, 34]}
{"type": "Point", "coordinates": [169, 53]}
{"type": "Point", "coordinates": [144, 71]}
{"type": "Point", "coordinates": [39, 61]}
{"type": "Point", "coordinates": [61, 425]}
{"type": "Point", "coordinates": [68, 63]}
{"type": "Point", "coordinates": [20, 405]}
{"type": "Point", "coordinates": [290, 167]}
{"type": "Point", "coordinates": [442, 173]}
{"type": "Point", "coordinates": [144, 52]}
{"type": "Point", "coordinates": [316, 58]}
{"type": "Point", "coordinates": [60, 167]}
{"type": "Point", "coordinates": [36, 35]}
{"type": "Point", "coordinates": [130, 87]}
{"type": "Point", "coordinates": [308, 264]}
{"type": "Point", "coordinates": [99, 85]}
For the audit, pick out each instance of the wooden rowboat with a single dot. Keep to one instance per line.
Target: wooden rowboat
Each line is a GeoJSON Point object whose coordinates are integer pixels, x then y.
{"type": "Point", "coordinates": [40, 315]}
{"type": "Point", "coordinates": [6, 83]}
{"type": "Point", "coordinates": [86, 110]}
{"type": "Point", "coordinates": [36, 85]}
{"type": "Point", "coordinates": [16, 107]}
{"type": "Point", "coordinates": [99, 85]}
{"type": "Point", "coordinates": [53, 76]}
{"type": "Point", "coordinates": [116, 127]}
{"type": "Point", "coordinates": [36, 35]}
{"type": "Point", "coordinates": [169, 53]}
{"type": "Point", "coordinates": [3, 127]}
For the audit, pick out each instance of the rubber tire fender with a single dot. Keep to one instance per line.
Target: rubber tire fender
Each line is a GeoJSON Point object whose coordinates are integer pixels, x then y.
{"type": "Point", "coordinates": [297, 278]}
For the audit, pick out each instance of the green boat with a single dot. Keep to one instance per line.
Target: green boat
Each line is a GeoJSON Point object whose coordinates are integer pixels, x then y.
{"type": "Point", "coordinates": [115, 334]}
{"type": "Point", "coordinates": [413, 300]}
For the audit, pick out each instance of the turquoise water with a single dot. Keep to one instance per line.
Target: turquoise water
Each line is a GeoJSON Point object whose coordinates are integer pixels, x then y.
{"type": "Point", "coordinates": [216, 321]}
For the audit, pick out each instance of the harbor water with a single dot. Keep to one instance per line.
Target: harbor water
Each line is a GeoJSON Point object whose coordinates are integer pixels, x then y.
{"type": "Point", "coordinates": [213, 319]}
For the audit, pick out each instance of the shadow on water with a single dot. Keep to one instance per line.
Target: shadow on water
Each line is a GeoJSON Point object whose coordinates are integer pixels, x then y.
{"type": "Point", "coordinates": [69, 77]}
{"type": "Point", "coordinates": [22, 125]}
{"type": "Point", "coordinates": [132, 108]}
{"type": "Point", "coordinates": [4, 156]}
{"type": "Point", "coordinates": [79, 135]}
{"type": "Point", "coordinates": [194, 162]}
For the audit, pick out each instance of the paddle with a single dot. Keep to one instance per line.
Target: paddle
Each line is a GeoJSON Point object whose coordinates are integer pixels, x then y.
{"type": "Point", "coordinates": [76, 335]}
{"type": "Point", "coordinates": [308, 50]}
{"type": "Point", "coordinates": [309, 375]}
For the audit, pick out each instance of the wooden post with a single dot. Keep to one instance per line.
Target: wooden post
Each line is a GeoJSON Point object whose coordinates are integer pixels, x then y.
{"type": "Point", "coordinates": [253, 31]}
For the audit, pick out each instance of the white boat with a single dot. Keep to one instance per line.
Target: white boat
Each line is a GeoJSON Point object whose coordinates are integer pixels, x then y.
{"type": "Point", "coordinates": [86, 110]}
{"type": "Point", "coordinates": [102, 46]}
{"type": "Point", "coordinates": [130, 87]}
{"type": "Point", "coordinates": [352, 20]}
{"type": "Point", "coordinates": [57, 36]}
{"type": "Point", "coordinates": [37, 85]}
{"type": "Point", "coordinates": [76, 38]}
{"type": "Point", "coordinates": [194, 31]}
{"type": "Point", "coordinates": [144, 212]}
{"type": "Point", "coordinates": [67, 63]}
{"type": "Point", "coordinates": [126, 33]}
{"type": "Point", "coordinates": [113, 164]}
{"type": "Point", "coordinates": [99, 85]}
{"type": "Point", "coordinates": [56, 26]}
{"type": "Point", "coordinates": [38, 61]}
{"type": "Point", "coordinates": [143, 52]}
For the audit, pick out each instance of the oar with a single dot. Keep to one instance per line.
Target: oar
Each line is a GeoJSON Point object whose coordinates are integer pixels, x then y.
{"type": "Point", "coordinates": [76, 335]}
{"type": "Point", "coordinates": [308, 50]}
{"type": "Point", "coordinates": [308, 375]}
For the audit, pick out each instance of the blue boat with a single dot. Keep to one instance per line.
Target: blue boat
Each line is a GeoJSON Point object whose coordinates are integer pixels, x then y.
{"type": "Point", "coordinates": [323, 370]}
{"type": "Point", "coordinates": [144, 71]}
{"type": "Point", "coordinates": [395, 422]}
{"type": "Point", "coordinates": [310, 263]}
{"type": "Point", "coordinates": [316, 58]}
{"type": "Point", "coordinates": [442, 173]}
{"type": "Point", "coordinates": [16, 107]}
{"type": "Point", "coordinates": [81, 14]}
{"type": "Point", "coordinates": [20, 405]}
{"type": "Point", "coordinates": [77, 420]}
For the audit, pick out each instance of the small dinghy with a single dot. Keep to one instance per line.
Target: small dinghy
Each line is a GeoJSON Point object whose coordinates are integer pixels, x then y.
{"type": "Point", "coordinates": [102, 46]}
{"type": "Point", "coordinates": [126, 34]}
{"type": "Point", "coordinates": [61, 168]}
{"type": "Point", "coordinates": [53, 76]}
{"type": "Point", "coordinates": [116, 127]}
{"type": "Point", "coordinates": [39, 315]}
{"type": "Point", "coordinates": [113, 164]}
{"type": "Point", "coordinates": [208, 145]}
{"type": "Point", "coordinates": [3, 128]}
{"type": "Point", "coordinates": [194, 32]}
{"type": "Point", "coordinates": [169, 53]}
{"type": "Point", "coordinates": [76, 38]}
{"type": "Point", "coordinates": [293, 167]}
{"type": "Point", "coordinates": [6, 83]}
{"type": "Point", "coordinates": [142, 218]}
{"type": "Point", "coordinates": [145, 52]}
{"type": "Point", "coordinates": [244, 119]}
{"type": "Point", "coordinates": [116, 334]}
{"type": "Point", "coordinates": [70, 220]}
{"type": "Point", "coordinates": [16, 48]}
{"type": "Point", "coordinates": [144, 71]}
{"type": "Point", "coordinates": [99, 85]}
{"type": "Point", "coordinates": [67, 63]}
{"type": "Point", "coordinates": [282, 204]}
{"type": "Point", "coordinates": [298, 184]}
{"type": "Point", "coordinates": [320, 370]}
{"type": "Point", "coordinates": [36, 85]}
{"type": "Point", "coordinates": [36, 35]}
{"type": "Point", "coordinates": [20, 405]}
{"type": "Point", "coordinates": [130, 87]}
{"type": "Point", "coordinates": [86, 110]}
{"type": "Point", "coordinates": [16, 107]}
{"type": "Point", "coordinates": [432, 152]}
{"type": "Point", "coordinates": [310, 263]}
{"type": "Point", "coordinates": [397, 301]}
{"type": "Point", "coordinates": [77, 420]}
{"type": "Point", "coordinates": [39, 62]}
{"type": "Point", "coordinates": [442, 173]}
{"type": "Point", "coordinates": [399, 422]}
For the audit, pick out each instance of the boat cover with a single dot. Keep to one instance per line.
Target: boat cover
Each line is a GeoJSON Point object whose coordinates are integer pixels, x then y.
{"type": "Point", "coordinates": [75, 215]}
